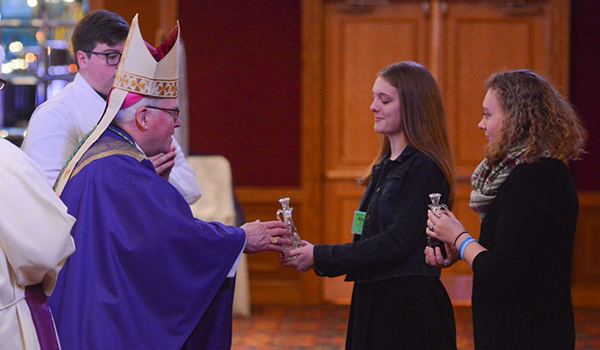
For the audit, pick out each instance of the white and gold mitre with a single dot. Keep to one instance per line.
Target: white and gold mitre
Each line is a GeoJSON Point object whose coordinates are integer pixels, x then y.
{"type": "Point", "coordinates": [143, 71]}
{"type": "Point", "coordinates": [140, 73]}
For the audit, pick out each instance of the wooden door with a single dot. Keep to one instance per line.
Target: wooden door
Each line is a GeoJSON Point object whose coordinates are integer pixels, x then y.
{"type": "Point", "coordinates": [478, 39]}
{"type": "Point", "coordinates": [461, 43]}
{"type": "Point", "coordinates": [359, 42]}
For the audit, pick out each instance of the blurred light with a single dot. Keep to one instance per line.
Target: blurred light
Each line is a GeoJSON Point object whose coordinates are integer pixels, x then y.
{"type": "Point", "coordinates": [4, 133]}
{"type": "Point", "coordinates": [29, 57]}
{"type": "Point", "coordinates": [18, 63]}
{"type": "Point", "coordinates": [58, 70]}
{"type": "Point", "coordinates": [32, 3]}
{"type": "Point", "coordinates": [72, 68]}
{"type": "Point", "coordinates": [15, 46]}
{"type": "Point", "coordinates": [40, 36]}
{"type": "Point", "coordinates": [6, 68]}
{"type": "Point", "coordinates": [68, 0]}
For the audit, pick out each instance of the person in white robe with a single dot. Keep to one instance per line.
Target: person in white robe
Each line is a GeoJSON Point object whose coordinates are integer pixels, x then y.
{"type": "Point", "coordinates": [35, 241]}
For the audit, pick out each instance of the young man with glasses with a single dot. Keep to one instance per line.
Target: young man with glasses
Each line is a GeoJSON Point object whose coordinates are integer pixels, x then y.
{"type": "Point", "coordinates": [57, 126]}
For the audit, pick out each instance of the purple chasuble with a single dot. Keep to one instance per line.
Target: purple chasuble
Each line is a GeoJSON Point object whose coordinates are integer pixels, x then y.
{"type": "Point", "coordinates": [145, 271]}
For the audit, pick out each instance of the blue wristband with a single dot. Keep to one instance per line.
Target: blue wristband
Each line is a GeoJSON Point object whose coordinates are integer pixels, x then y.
{"type": "Point", "coordinates": [463, 246]}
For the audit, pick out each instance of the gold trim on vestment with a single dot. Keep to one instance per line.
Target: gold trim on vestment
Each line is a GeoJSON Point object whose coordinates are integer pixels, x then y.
{"type": "Point", "coordinates": [111, 148]}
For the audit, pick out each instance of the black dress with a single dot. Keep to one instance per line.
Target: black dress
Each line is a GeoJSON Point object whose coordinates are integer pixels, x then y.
{"type": "Point", "coordinates": [398, 301]}
{"type": "Point", "coordinates": [521, 285]}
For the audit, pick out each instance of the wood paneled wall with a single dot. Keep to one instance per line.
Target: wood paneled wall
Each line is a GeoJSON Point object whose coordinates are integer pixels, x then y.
{"type": "Point", "coordinates": [315, 213]}
{"type": "Point", "coordinates": [270, 282]}
{"type": "Point", "coordinates": [586, 260]}
{"type": "Point", "coordinates": [462, 43]}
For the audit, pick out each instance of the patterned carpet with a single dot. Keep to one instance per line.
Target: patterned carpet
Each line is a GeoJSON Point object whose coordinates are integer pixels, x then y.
{"type": "Point", "coordinates": [324, 328]}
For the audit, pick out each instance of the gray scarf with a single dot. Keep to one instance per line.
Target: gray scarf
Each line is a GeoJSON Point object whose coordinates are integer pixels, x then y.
{"type": "Point", "coordinates": [487, 180]}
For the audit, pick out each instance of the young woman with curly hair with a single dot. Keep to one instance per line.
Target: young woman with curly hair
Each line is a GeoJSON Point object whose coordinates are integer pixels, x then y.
{"type": "Point", "coordinates": [528, 204]}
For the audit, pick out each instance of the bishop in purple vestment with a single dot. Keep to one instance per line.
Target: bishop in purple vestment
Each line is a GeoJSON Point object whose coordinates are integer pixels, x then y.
{"type": "Point", "coordinates": [146, 273]}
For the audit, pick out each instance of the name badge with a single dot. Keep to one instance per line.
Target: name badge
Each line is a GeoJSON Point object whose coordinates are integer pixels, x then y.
{"type": "Point", "coordinates": [358, 222]}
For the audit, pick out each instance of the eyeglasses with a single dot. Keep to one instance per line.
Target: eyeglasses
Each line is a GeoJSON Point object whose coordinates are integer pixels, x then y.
{"type": "Point", "coordinates": [2, 84]}
{"type": "Point", "coordinates": [173, 112]}
{"type": "Point", "coordinates": [112, 58]}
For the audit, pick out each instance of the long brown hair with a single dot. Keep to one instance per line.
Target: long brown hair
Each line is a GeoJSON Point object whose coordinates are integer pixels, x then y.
{"type": "Point", "coordinates": [536, 117]}
{"type": "Point", "coordinates": [422, 117]}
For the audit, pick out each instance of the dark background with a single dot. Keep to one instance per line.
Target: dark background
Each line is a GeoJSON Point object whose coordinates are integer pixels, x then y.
{"type": "Point", "coordinates": [244, 86]}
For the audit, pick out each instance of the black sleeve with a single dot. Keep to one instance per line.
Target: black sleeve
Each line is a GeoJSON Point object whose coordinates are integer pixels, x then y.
{"type": "Point", "coordinates": [408, 206]}
{"type": "Point", "coordinates": [524, 210]}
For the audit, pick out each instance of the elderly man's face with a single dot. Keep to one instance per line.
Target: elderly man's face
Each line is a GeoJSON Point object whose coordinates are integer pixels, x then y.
{"type": "Point", "coordinates": [162, 122]}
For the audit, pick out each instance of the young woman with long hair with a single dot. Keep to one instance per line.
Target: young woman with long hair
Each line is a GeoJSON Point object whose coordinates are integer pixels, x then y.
{"type": "Point", "coordinates": [398, 301]}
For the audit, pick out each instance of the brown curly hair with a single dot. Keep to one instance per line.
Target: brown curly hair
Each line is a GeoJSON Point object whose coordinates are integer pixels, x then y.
{"type": "Point", "coordinates": [536, 117]}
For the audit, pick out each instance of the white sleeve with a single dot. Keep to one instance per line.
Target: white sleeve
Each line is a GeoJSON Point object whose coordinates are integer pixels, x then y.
{"type": "Point", "coordinates": [183, 177]}
{"type": "Point", "coordinates": [34, 225]}
{"type": "Point", "coordinates": [49, 140]}
{"type": "Point", "coordinates": [236, 264]}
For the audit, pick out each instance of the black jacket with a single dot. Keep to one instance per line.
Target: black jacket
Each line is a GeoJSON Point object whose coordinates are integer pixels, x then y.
{"type": "Point", "coordinates": [393, 238]}
{"type": "Point", "coordinates": [522, 283]}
